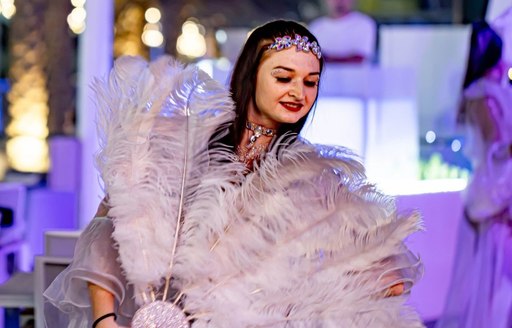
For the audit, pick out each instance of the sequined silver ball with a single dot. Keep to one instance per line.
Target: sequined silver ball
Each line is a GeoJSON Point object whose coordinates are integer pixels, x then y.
{"type": "Point", "coordinates": [160, 314]}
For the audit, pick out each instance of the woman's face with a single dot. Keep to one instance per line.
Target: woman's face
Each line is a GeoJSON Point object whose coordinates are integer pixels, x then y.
{"type": "Point", "coordinates": [286, 87]}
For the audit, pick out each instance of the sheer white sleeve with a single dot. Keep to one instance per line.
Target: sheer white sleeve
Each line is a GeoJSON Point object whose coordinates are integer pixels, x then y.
{"type": "Point", "coordinates": [67, 302]}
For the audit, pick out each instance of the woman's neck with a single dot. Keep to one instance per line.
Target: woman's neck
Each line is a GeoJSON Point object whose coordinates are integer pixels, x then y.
{"type": "Point", "coordinates": [254, 143]}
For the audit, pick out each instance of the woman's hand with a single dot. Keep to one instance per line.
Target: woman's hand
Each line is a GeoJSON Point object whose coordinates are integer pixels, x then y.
{"type": "Point", "coordinates": [393, 279]}
{"type": "Point", "coordinates": [396, 290]}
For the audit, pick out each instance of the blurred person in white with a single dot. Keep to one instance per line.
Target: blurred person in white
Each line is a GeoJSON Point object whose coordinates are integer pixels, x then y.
{"type": "Point", "coordinates": [480, 294]}
{"type": "Point", "coordinates": [346, 35]}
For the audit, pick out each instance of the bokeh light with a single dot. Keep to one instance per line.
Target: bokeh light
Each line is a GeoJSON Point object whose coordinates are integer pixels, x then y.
{"type": "Point", "coordinates": [28, 154]}
{"type": "Point", "coordinates": [221, 36]}
{"type": "Point", "coordinates": [152, 15]}
{"type": "Point", "coordinates": [456, 145]}
{"type": "Point", "coordinates": [76, 19]}
{"type": "Point", "coordinates": [78, 3]}
{"type": "Point", "coordinates": [191, 42]}
{"type": "Point", "coordinates": [430, 136]}
{"type": "Point", "coordinates": [152, 37]}
{"type": "Point", "coordinates": [7, 8]}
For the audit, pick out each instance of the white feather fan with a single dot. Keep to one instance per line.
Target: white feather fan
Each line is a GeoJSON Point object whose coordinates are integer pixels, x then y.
{"type": "Point", "coordinates": [155, 122]}
{"type": "Point", "coordinates": [309, 243]}
{"type": "Point", "coordinates": [303, 241]}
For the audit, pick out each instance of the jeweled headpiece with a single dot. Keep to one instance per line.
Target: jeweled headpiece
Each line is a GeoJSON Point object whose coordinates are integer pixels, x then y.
{"type": "Point", "coordinates": [300, 42]}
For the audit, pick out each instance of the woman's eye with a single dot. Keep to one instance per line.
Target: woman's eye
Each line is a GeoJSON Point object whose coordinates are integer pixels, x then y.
{"type": "Point", "coordinates": [283, 79]}
{"type": "Point", "coordinates": [310, 83]}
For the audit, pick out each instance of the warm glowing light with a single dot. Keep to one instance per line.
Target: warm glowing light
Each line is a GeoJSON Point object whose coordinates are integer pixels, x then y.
{"type": "Point", "coordinates": [71, 20]}
{"type": "Point", "coordinates": [430, 136]}
{"type": "Point", "coordinates": [78, 3]}
{"type": "Point", "coordinates": [456, 145]}
{"type": "Point", "coordinates": [27, 150]}
{"type": "Point", "coordinates": [510, 73]}
{"type": "Point", "coordinates": [78, 28]}
{"type": "Point", "coordinates": [8, 10]}
{"type": "Point", "coordinates": [128, 47]}
{"type": "Point", "coordinates": [78, 14]}
{"type": "Point", "coordinates": [76, 20]}
{"type": "Point", "coordinates": [191, 42]}
{"type": "Point", "coordinates": [153, 15]}
{"type": "Point", "coordinates": [221, 36]}
{"type": "Point", "coordinates": [29, 125]}
{"type": "Point", "coordinates": [152, 38]}
{"type": "Point", "coordinates": [190, 27]}
{"type": "Point", "coordinates": [6, 3]}
{"type": "Point", "coordinates": [28, 154]}
{"type": "Point", "coordinates": [129, 27]}
{"type": "Point", "coordinates": [191, 46]}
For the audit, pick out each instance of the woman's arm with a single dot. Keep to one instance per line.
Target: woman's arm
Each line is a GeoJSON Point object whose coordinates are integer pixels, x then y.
{"type": "Point", "coordinates": [102, 301]}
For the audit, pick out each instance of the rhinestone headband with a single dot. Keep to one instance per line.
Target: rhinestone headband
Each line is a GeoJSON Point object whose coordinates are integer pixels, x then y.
{"type": "Point", "coordinates": [301, 42]}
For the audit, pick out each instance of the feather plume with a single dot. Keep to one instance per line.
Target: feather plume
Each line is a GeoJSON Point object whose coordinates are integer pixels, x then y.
{"type": "Point", "coordinates": [307, 241]}
{"type": "Point", "coordinates": [303, 241]}
{"type": "Point", "coordinates": [157, 120]}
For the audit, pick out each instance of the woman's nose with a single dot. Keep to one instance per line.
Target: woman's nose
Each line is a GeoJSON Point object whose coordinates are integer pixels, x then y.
{"type": "Point", "coordinates": [297, 91]}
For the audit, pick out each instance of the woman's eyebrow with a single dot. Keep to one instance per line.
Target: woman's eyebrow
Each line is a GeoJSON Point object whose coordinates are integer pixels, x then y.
{"type": "Point", "coordinates": [288, 69]}
{"type": "Point", "coordinates": [285, 68]}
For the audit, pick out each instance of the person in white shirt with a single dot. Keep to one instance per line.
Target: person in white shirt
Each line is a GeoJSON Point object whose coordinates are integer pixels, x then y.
{"type": "Point", "coordinates": [346, 35]}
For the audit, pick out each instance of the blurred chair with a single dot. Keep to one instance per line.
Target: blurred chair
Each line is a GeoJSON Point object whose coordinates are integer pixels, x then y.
{"type": "Point", "coordinates": [60, 243]}
{"type": "Point", "coordinates": [45, 270]}
{"type": "Point", "coordinates": [59, 247]}
{"type": "Point", "coordinates": [16, 291]}
{"type": "Point", "coordinates": [12, 231]}
{"type": "Point", "coordinates": [25, 289]}
{"type": "Point", "coordinates": [15, 294]}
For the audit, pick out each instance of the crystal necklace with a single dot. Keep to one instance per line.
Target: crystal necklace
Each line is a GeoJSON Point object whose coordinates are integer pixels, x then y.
{"type": "Point", "coordinates": [258, 131]}
{"type": "Point", "coordinates": [251, 152]}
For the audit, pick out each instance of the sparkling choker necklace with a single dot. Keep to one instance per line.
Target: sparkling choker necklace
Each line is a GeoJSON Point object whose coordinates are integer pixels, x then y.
{"type": "Point", "coordinates": [258, 131]}
{"type": "Point", "coordinates": [250, 152]}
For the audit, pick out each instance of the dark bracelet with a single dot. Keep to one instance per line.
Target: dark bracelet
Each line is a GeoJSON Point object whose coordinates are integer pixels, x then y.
{"type": "Point", "coordinates": [97, 321]}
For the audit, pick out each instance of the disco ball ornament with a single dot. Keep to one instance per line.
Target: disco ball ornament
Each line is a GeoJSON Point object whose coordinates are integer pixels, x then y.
{"type": "Point", "coordinates": [160, 314]}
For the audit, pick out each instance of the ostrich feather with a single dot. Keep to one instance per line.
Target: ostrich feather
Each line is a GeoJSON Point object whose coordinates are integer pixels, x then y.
{"type": "Point", "coordinates": [309, 243]}
{"type": "Point", "coordinates": [157, 120]}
